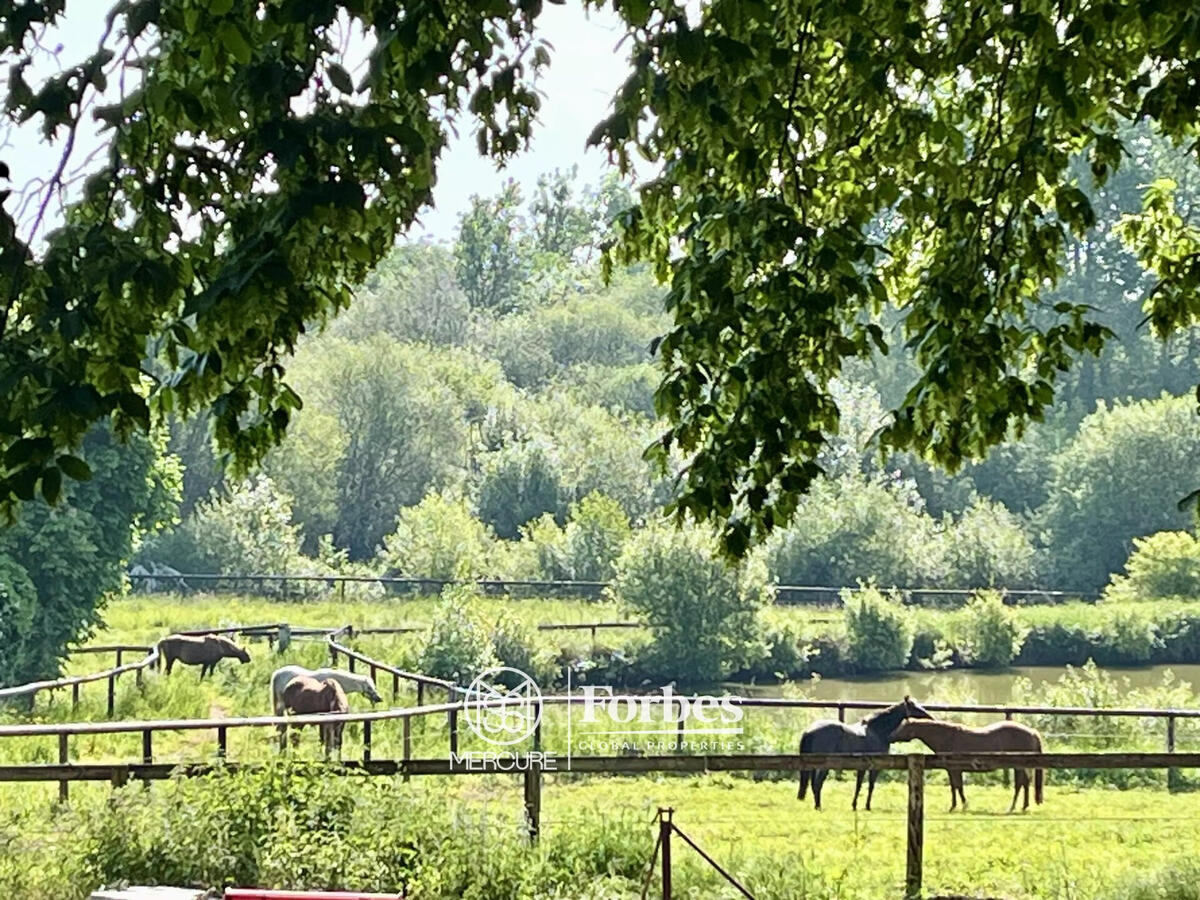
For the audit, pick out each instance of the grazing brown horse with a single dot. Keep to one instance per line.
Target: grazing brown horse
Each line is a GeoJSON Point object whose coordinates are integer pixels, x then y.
{"type": "Point", "coordinates": [204, 650]}
{"type": "Point", "coordinates": [304, 696]}
{"type": "Point", "coordinates": [949, 737]}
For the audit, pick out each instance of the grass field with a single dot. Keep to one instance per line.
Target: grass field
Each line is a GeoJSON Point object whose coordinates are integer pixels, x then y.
{"type": "Point", "coordinates": [1089, 839]}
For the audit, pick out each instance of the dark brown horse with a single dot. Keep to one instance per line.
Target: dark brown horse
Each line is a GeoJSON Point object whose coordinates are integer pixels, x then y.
{"type": "Point", "coordinates": [204, 650]}
{"type": "Point", "coordinates": [950, 737]}
{"type": "Point", "coordinates": [870, 735]}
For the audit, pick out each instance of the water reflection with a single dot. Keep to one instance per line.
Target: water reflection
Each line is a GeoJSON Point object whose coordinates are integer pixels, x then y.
{"type": "Point", "coordinates": [987, 688]}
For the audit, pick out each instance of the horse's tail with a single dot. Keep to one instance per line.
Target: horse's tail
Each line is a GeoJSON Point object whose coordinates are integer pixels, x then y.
{"type": "Point", "coordinates": [805, 774]}
{"type": "Point", "coordinates": [1038, 777]}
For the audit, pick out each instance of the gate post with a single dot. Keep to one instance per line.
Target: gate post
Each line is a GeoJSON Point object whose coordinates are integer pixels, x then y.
{"type": "Point", "coordinates": [916, 825]}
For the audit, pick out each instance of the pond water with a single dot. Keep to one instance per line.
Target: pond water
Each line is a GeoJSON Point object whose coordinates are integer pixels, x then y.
{"type": "Point", "coordinates": [987, 688]}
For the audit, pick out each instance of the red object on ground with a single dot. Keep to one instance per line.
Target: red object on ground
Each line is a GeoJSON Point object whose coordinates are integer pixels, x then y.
{"type": "Point", "coordinates": [261, 894]}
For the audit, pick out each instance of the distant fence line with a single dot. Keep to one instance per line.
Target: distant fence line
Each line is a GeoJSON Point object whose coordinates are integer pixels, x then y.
{"type": "Point", "coordinates": [787, 594]}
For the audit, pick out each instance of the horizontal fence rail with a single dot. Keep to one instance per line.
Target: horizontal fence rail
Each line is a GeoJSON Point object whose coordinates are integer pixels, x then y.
{"type": "Point", "coordinates": [784, 593]}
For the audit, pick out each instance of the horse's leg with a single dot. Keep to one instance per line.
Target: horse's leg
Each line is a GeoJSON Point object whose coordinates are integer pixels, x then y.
{"type": "Point", "coordinates": [871, 778]}
{"type": "Point", "coordinates": [962, 795]}
{"type": "Point", "coordinates": [818, 781]}
{"type": "Point", "coordinates": [858, 777]}
{"type": "Point", "coordinates": [1026, 779]}
{"type": "Point", "coordinates": [1016, 789]}
{"type": "Point", "coordinates": [170, 663]}
{"type": "Point", "coordinates": [953, 791]}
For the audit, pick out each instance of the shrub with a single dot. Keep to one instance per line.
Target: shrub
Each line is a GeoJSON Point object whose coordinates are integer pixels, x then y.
{"type": "Point", "coordinates": [248, 531]}
{"type": "Point", "coordinates": [517, 646]}
{"type": "Point", "coordinates": [990, 636]}
{"type": "Point", "coordinates": [879, 630]}
{"type": "Point", "coordinates": [855, 528]}
{"type": "Point", "coordinates": [702, 613]}
{"type": "Point", "coordinates": [593, 538]}
{"type": "Point", "coordinates": [1166, 564]}
{"type": "Point", "coordinates": [439, 538]}
{"type": "Point", "coordinates": [988, 547]}
{"type": "Point", "coordinates": [458, 647]}
{"type": "Point", "coordinates": [1130, 637]}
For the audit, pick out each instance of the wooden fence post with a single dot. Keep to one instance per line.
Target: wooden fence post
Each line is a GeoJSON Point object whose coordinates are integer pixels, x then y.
{"type": "Point", "coordinates": [147, 746]}
{"type": "Point", "coordinates": [407, 744]}
{"type": "Point", "coordinates": [112, 693]}
{"type": "Point", "coordinates": [916, 825]}
{"type": "Point", "coordinates": [395, 684]}
{"type": "Point", "coordinates": [1172, 774]}
{"type": "Point", "coordinates": [222, 741]}
{"type": "Point", "coordinates": [452, 716]}
{"type": "Point", "coordinates": [63, 786]}
{"type": "Point", "coordinates": [420, 693]}
{"type": "Point", "coordinates": [533, 800]}
{"type": "Point", "coordinates": [366, 740]}
{"type": "Point", "coordinates": [679, 735]}
{"type": "Point", "coordinates": [664, 837]}
{"type": "Point", "coordinates": [74, 695]}
{"type": "Point", "coordinates": [1007, 773]}
{"type": "Point", "coordinates": [351, 663]}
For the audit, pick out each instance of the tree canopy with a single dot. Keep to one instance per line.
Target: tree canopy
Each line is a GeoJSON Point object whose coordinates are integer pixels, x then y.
{"type": "Point", "coordinates": [814, 164]}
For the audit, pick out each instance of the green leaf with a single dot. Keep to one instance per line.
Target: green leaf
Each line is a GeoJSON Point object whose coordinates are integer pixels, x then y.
{"type": "Point", "coordinates": [74, 467]}
{"type": "Point", "coordinates": [51, 485]}
{"type": "Point", "coordinates": [234, 41]}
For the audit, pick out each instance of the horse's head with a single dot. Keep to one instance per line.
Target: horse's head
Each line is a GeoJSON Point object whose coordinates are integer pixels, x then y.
{"type": "Point", "coordinates": [229, 648]}
{"type": "Point", "coordinates": [371, 692]}
{"type": "Point", "coordinates": [886, 720]}
{"type": "Point", "coordinates": [914, 710]}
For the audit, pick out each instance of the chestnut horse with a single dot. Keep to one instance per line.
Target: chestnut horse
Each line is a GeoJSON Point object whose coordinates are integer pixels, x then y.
{"type": "Point", "coordinates": [949, 737]}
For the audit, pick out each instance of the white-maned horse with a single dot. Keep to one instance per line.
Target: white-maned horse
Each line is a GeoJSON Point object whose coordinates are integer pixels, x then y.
{"type": "Point", "coordinates": [350, 682]}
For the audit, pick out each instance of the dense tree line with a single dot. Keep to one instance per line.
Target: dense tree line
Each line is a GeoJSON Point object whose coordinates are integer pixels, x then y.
{"type": "Point", "coordinates": [449, 433]}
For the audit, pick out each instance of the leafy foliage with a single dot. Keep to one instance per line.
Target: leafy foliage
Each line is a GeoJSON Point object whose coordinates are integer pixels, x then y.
{"type": "Point", "coordinates": [458, 647]}
{"type": "Point", "coordinates": [879, 630]}
{"type": "Point", "coordinates": [859, 527]}
{"type": "Point", "coordinates": [439, 538]}
{"type": "Point", "coordinates": [1166, 564]}
{"type": "Point", "coordinates": [927, 160]}
{"type": "Point", "coordinates": [703, 613]}
{"type": "Point", "coordinates": [520, 482]}
{"type": "Point", "coordinates": [239, 145]}
{"type": "Point", "coordinates": [991, 636]}
{"type": "Point", "coordinates": [58, 564]}
{"type": "Point", "coordinates": [1119, 479]}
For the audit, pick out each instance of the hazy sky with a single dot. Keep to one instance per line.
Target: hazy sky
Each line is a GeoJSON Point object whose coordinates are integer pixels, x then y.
{"type": "Point", "coordinates": [585, 72]}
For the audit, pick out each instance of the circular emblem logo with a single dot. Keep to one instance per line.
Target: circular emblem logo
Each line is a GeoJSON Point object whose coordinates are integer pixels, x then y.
{"type": "Point", "coordinates": [513, 710]}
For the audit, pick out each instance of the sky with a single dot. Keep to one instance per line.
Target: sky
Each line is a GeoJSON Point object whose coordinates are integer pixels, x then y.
{"type": "Point", "coordinates": [585, 72]}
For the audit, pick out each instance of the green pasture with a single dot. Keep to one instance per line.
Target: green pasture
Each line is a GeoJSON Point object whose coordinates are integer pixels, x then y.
{"type": "Point", "coordinates": [461, 836]}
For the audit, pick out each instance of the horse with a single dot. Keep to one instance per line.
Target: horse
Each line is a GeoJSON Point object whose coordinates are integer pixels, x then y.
{"type": "Point", "coordinates": [305, 696]}
{"type": "Point", "coordinates": [870, 735]}
{"type": "Point", "coordinates": [199, 650]}
{"type": "Point", "coordinates": [950, 737]}
{"type": "Point", "coordinates": [351, 683]}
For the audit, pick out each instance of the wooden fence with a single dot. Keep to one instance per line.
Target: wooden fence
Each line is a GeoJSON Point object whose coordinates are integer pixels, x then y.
{"type": "Point", "coordinates": [784, 593]}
